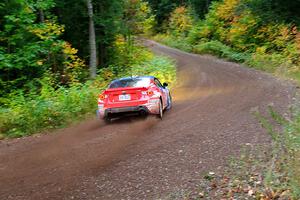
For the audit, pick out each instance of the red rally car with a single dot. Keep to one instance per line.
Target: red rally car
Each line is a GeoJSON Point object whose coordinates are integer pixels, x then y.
{"type": "Point", "coordinates": [134, 95]}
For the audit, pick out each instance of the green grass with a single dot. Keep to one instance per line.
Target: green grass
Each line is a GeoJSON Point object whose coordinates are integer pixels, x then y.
{"type": "Point", "coordinates": [292, 142]}
{"type": "Point", "coordinates": [283, 169]}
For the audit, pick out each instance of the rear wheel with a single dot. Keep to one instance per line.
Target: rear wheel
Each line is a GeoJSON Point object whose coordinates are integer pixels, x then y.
{"type": "Point", "coordinates": [107, 120]}
{"type": "Point", "coordinates": [169, 106]}
{"type": "Point", "coordinates": [143, 114]}
{"type": "Point", "coordinates": [160, 112]}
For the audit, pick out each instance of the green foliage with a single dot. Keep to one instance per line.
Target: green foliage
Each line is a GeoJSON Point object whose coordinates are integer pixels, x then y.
{"type": "Point", "coordinates": [235, 24]}
{"type": "Point", "coordinates": [160, 67]}
{"type": "Point", "coordinates": [128, 53]}
{"type": "Point", "coordinates": [163, 8]}
{"type": "Point", "coordinates": [50, 107]}
{"type": "Point", "coordinates": [108, 23]}
{"type": "Point", "coordinates": [283, 174]}
{"type": "Point", "coordinates": [180, 22]}
{"type": "Point", "coordinates": [292, 133]}
{"type": "Point", "coordinates": [31, 49]}
{"type": "Point", "coordinates": [268, 62]}
{"type": "Point", "coordinates": [232, 29]}
{"type": "Point", "coordinates": [138, 18]}
{"type": "Point", "coordinates": [181, 43]}
{"type": "Point", "coordinates": [142, 62]}
{"type": "Point", "coordinates": [285, 11]}
{"type": "Point", "coordinates": [221, 50]}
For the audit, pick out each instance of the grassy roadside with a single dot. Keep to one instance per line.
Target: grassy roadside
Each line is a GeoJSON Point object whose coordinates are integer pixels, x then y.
{"type": "Point", "coordinates": [52, 108]}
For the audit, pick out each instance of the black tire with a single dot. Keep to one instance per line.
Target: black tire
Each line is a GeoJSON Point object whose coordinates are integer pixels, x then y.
{"type": "Point", "coordinates": [169, 106]}
{"type": "Point", "coordinates": [161, 111]}
{"type": "Point", "coordinates": [107, 120]}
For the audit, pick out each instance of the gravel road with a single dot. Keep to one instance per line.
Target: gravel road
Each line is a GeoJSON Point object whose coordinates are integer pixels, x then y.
{"type": "Point", "coordinates": [149, 159]}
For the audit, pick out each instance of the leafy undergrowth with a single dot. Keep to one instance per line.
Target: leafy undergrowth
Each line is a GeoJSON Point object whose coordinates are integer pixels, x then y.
{"type": "Point", "coordinates": [174, 42]}
{"type": "Point", "coordinates": [51, 108]}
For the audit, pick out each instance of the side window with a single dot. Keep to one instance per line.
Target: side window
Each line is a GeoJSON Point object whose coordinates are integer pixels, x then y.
{"type": "Point", "coordinates": [157, 83]}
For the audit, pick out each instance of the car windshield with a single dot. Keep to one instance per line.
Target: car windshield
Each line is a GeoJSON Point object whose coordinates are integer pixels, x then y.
{"type": "Point", "coordinates": [130, 82]}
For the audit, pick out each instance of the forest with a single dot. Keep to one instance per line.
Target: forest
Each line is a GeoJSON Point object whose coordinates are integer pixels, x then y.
{"type": "Point", "coordinates": [56, 56]}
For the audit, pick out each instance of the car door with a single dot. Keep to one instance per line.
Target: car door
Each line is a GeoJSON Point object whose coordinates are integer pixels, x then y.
{"type": "Point", "coordinates": [164, 92]}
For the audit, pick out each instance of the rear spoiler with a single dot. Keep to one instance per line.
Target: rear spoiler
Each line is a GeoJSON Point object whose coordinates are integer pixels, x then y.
{"type": "Point", "coordinates": [125, 88]}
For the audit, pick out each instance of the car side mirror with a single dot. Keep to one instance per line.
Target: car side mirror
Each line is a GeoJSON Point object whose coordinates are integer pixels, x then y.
{"type": "Point", "coordinates": [165, 84]}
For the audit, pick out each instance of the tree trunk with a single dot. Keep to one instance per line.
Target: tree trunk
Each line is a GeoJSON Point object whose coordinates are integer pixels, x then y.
{"type": "Point", "coordinates": [92, 41]}
{"type": "Point", "coordinates": [207, 5]}
{"type": "Point", "coordinates": [42, 16]}
{"type": "Point", "coordinates": [102, 54]}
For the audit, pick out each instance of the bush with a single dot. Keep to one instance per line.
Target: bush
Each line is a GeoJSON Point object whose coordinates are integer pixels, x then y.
{"type": "Point", "coordinates": [180, 22]}
{"type": "Point", "coordinates": [179, 43]}
{"type": "Point", "coordinates": [128, 53]}
{"type": "Point", "coordinates": [219, 49]}
{"type": "Point", "coordinates": [160, 67]}
{"type": "Point", "coordinates": [273, 63]}
{"type": "Point", "coordinates": [212, 47]}
{"type": "Point", "coordinates": [31, 113]}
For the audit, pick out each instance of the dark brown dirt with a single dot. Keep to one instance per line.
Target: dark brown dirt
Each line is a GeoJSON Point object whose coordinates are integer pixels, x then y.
{"type": "Point", "coordinates": [148, 159]}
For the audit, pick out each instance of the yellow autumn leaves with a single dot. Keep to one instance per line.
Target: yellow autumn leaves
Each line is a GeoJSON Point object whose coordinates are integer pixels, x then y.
{"type": "Point", "coordinates": [72, 64]}
{"type": "Point", "coordinates": [47, 30]}
{"type": "Point", "coordinates": [180, 21]}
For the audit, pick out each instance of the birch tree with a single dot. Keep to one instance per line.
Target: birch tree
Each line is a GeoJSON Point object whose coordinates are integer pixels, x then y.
{"type": "Point", "coordinates": [92, 41]}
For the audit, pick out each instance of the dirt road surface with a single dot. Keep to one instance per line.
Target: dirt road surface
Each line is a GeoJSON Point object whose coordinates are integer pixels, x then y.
{"type": "Point", "coordinates": [135, 159]}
